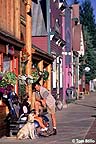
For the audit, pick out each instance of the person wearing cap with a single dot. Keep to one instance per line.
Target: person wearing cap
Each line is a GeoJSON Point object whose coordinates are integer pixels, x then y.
{"type": "Point", "coordinates": [46, 98]}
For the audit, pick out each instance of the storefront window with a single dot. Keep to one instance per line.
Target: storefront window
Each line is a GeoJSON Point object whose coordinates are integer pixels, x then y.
{"type": "Point", "coordinates": [6, 63]}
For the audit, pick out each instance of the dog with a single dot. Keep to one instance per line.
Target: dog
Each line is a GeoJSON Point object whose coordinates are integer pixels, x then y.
{"type": "Point", "coordinates": [28, 130]}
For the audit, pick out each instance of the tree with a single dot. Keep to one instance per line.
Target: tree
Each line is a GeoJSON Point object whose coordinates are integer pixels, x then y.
{"type": "Point", "coordinates": [89, 31]}
{"type": "Point", "coordinates": [87, 19]}
{"type": "Point", "coordinates": [89, 56]}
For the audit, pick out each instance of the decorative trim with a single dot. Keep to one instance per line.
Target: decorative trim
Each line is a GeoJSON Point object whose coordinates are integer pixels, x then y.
{"type": "Point", "coordinates": [22, 20]}
{"type": "Point", "coordinates": [7, 38]}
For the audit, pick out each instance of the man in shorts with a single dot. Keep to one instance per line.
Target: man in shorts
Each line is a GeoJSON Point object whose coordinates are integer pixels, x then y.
{"type": "Point", "coordinates": [46, 99]}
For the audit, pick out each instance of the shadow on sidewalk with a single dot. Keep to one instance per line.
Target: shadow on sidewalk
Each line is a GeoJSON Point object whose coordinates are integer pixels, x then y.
{"type": "Point", "coordinates": [91, 134]}
{"type": "Point", "coordinates": [85, 105]}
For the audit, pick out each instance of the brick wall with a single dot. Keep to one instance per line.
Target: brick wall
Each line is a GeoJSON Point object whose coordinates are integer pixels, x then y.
{"type": "Point", "coordinates": [2, 117]}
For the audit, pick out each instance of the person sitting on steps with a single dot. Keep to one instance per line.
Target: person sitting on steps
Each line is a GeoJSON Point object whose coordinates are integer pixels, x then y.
{"type": "Point", "coordinates": [47, 100]}
{"type": "Point", "coordinates": [26, 109]}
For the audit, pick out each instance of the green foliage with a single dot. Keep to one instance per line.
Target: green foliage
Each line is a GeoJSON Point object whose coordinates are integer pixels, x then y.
{"type": "Point", "coordinates": [89, 31]}
{"type": "Point", "coordinates": [87, 19]}
{"type": "Point", "coordinates": [82, 65]}
{"type": "Point", "coordinates": [86, 13]}
{"type": "Point", "coordinates": [8, 78]}
{"type": "Point", "coordinates": [22, 90]}
{"type": "Point", "coordinates": [37, 74]}
{"type": "Point", "coordinates": [45, 75]}
{"type": "Point", "coordinates": [3, 83]}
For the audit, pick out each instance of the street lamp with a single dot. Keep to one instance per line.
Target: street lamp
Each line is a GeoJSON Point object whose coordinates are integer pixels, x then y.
{"type": "Point", "coordinates": [86, 69]}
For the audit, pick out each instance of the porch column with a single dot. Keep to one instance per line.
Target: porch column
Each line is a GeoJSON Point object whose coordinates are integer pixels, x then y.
{"type": "Point", "coordinates": [49, 78]}
{"type": "Point", "coordinates": [28, 46]}
{"type": "Point", "coordinates": [40, 65]}
{"type": "Point", "coordinates": [17, 19]}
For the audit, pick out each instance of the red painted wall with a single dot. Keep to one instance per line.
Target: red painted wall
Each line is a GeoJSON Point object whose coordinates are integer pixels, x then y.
{"type": "Point", "coordinates": [41, 42]}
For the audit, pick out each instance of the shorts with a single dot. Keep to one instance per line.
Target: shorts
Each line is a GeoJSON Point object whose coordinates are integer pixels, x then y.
{"type": "Point", "coordinates": [51, 110]}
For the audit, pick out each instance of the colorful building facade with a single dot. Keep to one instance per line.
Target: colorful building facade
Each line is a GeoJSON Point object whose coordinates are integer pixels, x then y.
{"type": "Point", "coordinates": [12, 40]}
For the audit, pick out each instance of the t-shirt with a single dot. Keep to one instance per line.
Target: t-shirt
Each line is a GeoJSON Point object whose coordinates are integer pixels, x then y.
{"type": "Point", "coordinates": [50, 101]}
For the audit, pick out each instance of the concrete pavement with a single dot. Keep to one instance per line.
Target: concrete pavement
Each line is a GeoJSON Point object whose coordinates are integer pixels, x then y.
{"type": "Point", "coordinates": [76, 124]}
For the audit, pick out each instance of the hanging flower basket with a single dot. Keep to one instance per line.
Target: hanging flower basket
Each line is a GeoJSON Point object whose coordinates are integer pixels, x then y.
{"type": "Point", "coordinates": [8, 79]}
{"type": "Point", "coordinates": [37, 74]}
{"type": "Point", "coordinates": [45, 75]}
{"type": "Point", "coordinates": [25, 79]}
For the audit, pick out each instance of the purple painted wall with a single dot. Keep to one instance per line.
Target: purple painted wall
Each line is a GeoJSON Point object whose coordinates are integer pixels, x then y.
{"type": "Point", "coordinates": [56, 26]}
{"type": "Point", "coordinates": [67, 81]}
{"type": "Point", "coordinates": [55, 14]}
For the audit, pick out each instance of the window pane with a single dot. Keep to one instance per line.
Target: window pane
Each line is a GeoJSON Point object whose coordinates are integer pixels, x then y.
{"type": "Point", "coordinates": [6, 64]}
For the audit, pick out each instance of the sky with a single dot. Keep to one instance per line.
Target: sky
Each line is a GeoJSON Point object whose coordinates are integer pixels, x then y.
{"type": "Point", "coordinates": [93, 2]}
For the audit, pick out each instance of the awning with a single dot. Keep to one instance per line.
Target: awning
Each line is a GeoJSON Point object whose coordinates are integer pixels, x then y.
{"type": "Point", "coordinates": [39, 55]}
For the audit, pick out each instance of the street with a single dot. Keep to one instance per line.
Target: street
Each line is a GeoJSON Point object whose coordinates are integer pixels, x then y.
{"type": "Point", "coordinates": [75, 124]}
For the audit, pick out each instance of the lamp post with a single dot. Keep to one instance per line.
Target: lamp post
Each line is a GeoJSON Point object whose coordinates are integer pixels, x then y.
{"type": "Point", "coordinates": [66, 75]}
{"type": "Point", "coordinates": [86, 69]}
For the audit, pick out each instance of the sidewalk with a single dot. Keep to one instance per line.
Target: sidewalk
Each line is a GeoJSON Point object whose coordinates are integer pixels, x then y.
{"type": "Point", "coordinates": [76, 124]}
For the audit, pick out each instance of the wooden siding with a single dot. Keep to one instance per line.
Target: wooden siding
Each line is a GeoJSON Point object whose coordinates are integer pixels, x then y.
{"type": "Point", "coordinates": [55, 48]}
{"type": "Point", "coordinates": [2, 118]}
{"type": "Point", "coordinates": [76, 37]}
{"type": "Point", "coordinates": [23, 21]}
{"type": "Point", "coordinates": [10, 17]}
{"type": "Point", "coordinates": [41, 42]}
